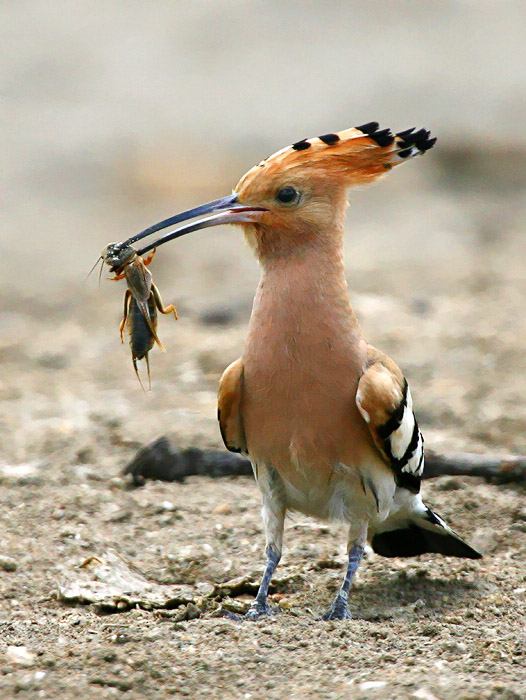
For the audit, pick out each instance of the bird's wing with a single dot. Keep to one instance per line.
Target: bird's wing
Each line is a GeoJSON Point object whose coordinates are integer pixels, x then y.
{"type": "Point", "coordinates": [384, 400]}
{"type": "Point", "coordinates": [229, 408]}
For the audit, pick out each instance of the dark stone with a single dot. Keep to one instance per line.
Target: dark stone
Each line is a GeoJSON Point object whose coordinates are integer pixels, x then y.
{"type": "Point", "coordinates": [164, 461]}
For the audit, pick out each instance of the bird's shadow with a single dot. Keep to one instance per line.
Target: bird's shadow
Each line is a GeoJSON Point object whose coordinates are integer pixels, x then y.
{"type": "Point", "coordinates": [386, 599]}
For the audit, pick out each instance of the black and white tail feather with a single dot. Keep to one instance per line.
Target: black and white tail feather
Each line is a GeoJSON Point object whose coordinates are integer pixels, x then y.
{"type": "Point", "coordinates": [411, 527]}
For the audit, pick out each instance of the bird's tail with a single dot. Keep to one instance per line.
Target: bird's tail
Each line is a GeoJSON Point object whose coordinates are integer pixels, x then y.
{"type": "Point", "coordinates": [418, 530]}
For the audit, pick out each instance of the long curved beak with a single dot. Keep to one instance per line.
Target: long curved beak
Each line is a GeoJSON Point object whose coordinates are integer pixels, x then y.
{"type": "Point", "coordinates": [226, 210]}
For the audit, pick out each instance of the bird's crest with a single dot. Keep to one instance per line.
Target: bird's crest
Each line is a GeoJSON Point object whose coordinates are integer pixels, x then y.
{"type": "Point", "coordinates": [358, 155]}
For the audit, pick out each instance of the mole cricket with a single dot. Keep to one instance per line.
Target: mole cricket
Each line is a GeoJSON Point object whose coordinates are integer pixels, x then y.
{"type": "Point", "coordinates": [142, 300]}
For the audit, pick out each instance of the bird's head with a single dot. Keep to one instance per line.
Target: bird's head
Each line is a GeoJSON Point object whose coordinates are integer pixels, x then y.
{"type": "Point", "coordinates": [296, 198]}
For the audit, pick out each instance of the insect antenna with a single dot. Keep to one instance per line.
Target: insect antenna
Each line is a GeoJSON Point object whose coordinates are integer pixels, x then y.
{"type": "Point", "coordinates": [99, 259]}
{"type": "Point", "coordinates": [100, 271]}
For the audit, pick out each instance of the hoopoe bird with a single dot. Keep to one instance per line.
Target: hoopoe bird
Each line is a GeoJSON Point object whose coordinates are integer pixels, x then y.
{"type": "Point", "coordinates": [325, 418]}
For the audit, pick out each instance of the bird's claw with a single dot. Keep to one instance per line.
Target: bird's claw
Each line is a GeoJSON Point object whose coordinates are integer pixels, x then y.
{"type": "Point", "coordinates": [338, 611]}
{"type": "Point", "coordinates": [259, 609]}
{"type": "Point", "coordinates": [229, 615]}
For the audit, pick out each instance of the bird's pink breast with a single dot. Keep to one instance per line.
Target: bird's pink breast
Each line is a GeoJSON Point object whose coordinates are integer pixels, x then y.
{"type": "Point", "coordinates": [302, 361]}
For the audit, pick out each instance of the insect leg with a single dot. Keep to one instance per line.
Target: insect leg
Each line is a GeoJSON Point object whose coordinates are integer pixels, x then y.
{"type": "Point", "coordinates": [127, 296]}
{"type": "Point", "coordinates": [117, 277]}
{"type": "Point", "coordinates": [159, 303]}
{"type": "Point", "coordinates": [148, 260]}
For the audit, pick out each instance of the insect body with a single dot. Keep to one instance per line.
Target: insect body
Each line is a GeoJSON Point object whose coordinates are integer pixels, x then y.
{"type": "Point", "coordinates": [141, 337]}
{"type": "Point", "coordinates": [126, 264]}
{"type": "Point", "coordinates": [142, 300]}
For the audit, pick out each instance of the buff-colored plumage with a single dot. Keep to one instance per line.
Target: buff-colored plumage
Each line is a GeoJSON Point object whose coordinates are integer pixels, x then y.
{"type": "Point", "coordinates": [305, 351]}
{"type": "Point", "coordinates": [325, 418]}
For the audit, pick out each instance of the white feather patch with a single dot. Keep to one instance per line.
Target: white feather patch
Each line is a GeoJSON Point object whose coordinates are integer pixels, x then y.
{"type": "Point", "coordinates": [412, 465]}
{"type": "Point", "coordinates": [401, 437]}
{"type": "Point", "coordinates": [414, 152]}
{"type": "Point", "coordinates": [359, 399]}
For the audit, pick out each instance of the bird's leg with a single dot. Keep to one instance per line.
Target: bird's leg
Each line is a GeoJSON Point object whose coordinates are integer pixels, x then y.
{"type": "Point", "coordinates": [260, 606]}
{"type": "Point", "coordinates": [339, 609]}
{"type": "Point", "coordinates": [273, 512]}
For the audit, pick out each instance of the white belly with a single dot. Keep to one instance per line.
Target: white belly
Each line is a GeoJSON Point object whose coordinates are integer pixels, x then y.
{"type": "Point", "coordinates": [348, 495]}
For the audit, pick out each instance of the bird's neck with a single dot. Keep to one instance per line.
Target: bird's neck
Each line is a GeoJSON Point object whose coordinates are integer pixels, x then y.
{"type": "Point", "coordinates": [303, 298]}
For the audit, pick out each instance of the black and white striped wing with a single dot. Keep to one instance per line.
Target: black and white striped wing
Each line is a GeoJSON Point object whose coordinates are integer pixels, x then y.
{"type": "Point", "coordinates": [384, 401]}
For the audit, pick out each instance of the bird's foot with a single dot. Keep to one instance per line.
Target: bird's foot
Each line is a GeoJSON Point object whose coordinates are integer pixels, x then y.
{"type": "Point", "coordinates": [229, 615]}
{"type": "Point", "coordinates": [259, 609]}
{"type": "Point", "coordinates": [338, 610]}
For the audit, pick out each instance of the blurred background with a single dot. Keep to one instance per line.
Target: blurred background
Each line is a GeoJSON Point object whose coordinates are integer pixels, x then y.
{"type": "Point", "coordinates": [117, 115]}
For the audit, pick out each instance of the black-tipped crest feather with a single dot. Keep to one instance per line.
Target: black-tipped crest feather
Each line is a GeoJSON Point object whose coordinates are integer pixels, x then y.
{"type": "Point", "coordinates": [301, 145]}
{"type": "Point", "coordinates": [329, 139]}
{"type": "Point", "coordinates": [383, 138]}
{"type": "Point", "coordinates": [368, 128]}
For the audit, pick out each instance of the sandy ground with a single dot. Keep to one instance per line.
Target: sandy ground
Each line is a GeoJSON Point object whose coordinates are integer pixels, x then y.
{"type": "Point", "coordinates": [118, 115]}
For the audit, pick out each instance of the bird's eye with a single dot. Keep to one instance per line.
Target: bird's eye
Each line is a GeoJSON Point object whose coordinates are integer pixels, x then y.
{"type": "Point", "coordinates": [287, 195]}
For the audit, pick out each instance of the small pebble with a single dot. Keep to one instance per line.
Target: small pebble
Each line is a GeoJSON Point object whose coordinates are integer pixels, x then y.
{"type": "Point", "coordinates": [166, 506]}
{"type": "Point", "coordinates": [19, 472]}
{"type": "Point", "coordinates": [121, 516]}
{"type": "Point", "coordinates": [7, 563]}
{"type": "Point", "coordinates": [372, 685]}
{"type": "Point", "coordinates": [223, 509]}
{"type": "Point", "coordinates": [20, 655]}
{"type": "Point", "coordinates": [424, 694]}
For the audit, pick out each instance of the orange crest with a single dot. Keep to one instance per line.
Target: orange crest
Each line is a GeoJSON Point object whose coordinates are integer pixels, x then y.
{"type": "Point", "coordinates": [354, 156]}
